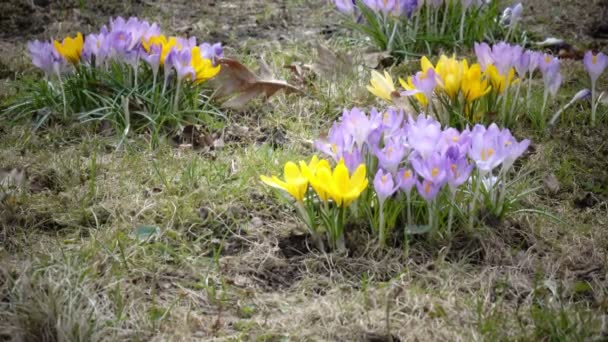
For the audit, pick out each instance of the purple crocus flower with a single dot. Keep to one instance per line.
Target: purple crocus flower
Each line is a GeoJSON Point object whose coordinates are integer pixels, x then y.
{"type": "Point", "coordinates": [552, 78]}
{"type": "Point", "coordinates": [345, 6]}
{"type": "Point", "coordinates": [423, 134]}
{"type": "Point", "coordinates": [383, 6]}
{"type": "Point", "coordinates": [352, 159]}
{"type": "Point", "coordinates": [406, 180]}
{"type": "Point", "coordinates": [391, 155]}
{"type": "Point", "coordinates": [484, 55]}
{"type": "Point", "coordinates": [95, 49]}
{"type": "Point", "coordinates": [405, 8]}
{"type": "Point", "coordinates": [181, 61]}
{"type": "Point", "coordinates": [595, 64]}
{"type": "Point", "coordinates": [486, 150]}
{"type": "Point", "coordinates": [118, 44]}
{"type": "Point", "coordinates": [459, 168]}
{"type": "Point", "coordinates": [137, 29]}
{"type": "Point", "coordinates": [358, 125]}
{"type": "Point", "coordinates": [511, 148]}
{"type": "Point", "coordinates": [432, 168]}
{"type": "Point", "coordinates": [522, 64]}
{"type": "Point", "coordinates": [425, 82]}
{"type": "Point", "coordinates": [384, 185]}
{"type": "Point", "coordinates": [337, 141]}
{"type": "Point", "coordinates": [211, 51]}
{"type": "Point", "coordinates": [153, 58]}
{"type": "Point", "coordinates": [427, 189]}
{"type": "Point", "coordinates": [45, 56]}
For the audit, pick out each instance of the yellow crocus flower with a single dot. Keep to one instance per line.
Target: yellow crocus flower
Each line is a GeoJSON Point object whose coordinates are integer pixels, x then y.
{"type": "Point", "coordinates": [70, 48]}
{"type": "Point", "coordinates": [450, 72]}
{"type": "Point", "coordinates": [165, 44]}
{"type": "Point", "coordinates": [342, 187]}
{"type": "Point", "coordinates": [203, 67]}
{"type": "Point", "coordinates": [498, 80]}
{"type": "Point", "coordinates": [311, 171]}
{"type": "Point", "coordinates": [295, 183]}
{"type": "Point", "coordinates": [382, 86]}
{"type": "Point", "coordinates": [473, 86]}
{"type": "Point", "coordinates": [425, 64]}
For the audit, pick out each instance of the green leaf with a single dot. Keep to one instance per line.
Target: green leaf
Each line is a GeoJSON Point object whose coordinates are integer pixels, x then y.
{"type": "Point", "coordinates": [413, 229]}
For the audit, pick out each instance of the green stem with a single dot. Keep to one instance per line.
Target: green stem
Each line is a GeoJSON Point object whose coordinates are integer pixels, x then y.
{"type": "Point", "coordinates": [381, 232]}
{"type": "Point", "coordinates": [65, 106]}
{"type": "Point", "coordinates": [593, 104]}
{"type": "Point", "coordinates": [474, 201]}
{"type": "Point", "coordinates": [176, 99]}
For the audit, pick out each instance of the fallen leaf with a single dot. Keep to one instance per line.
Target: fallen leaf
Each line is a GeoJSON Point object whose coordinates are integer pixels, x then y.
{"type": "Point", "coordinates": [375, 60]}
{"type": "Point", "coordinates": [330, 64]}
{"type": "Point", "coordinates": [239, 85]}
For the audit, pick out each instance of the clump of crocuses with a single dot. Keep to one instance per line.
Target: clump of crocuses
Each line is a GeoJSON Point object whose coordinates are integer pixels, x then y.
{"type": "Point", "coordinates": [404, 26]}
{"type": "Point", "coordinates": [424, 177]}
{"type": "Point", "coordinates": [459, 93]}
{"type": "Point", "coordinates": [126, 57]}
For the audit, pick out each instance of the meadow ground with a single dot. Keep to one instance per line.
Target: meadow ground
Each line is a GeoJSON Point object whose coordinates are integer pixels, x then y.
{"type": "Point", "coordinates": [112, 241]}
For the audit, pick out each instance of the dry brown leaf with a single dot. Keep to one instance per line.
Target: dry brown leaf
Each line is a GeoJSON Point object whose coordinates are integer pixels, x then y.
{"type": "Point", "coordinates": [240, 85]}
{"type": "Point", "coordinates": [330, 64]}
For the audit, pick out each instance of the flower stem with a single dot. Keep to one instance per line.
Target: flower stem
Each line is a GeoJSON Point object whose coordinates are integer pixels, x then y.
{"type": "Point", "coordinates": [474, 201]}
{"type": "Point", "coordinates": [176, 99]}
{"type": "Point", "coordinates": [593, 104]}
{"type": "Point", "coordinates": [381, 223]}
{"type": "Point", "coordinates": [65, 106]}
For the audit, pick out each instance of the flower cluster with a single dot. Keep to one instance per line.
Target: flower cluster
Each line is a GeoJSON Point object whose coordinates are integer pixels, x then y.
{"type": "Point", "coordinates": [129, 41]}
{"type": "Point", "coordinates": [321, 195]}
{"type": "Point", "coordinates": [406, 153]}
{"type": "Point", "coordinates": [467, 91]}
{"type": "Point", "coordinates": [404, 25]}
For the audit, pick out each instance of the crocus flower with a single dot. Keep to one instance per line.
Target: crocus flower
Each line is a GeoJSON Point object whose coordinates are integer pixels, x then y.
{"type": "Point", "coordinates": [96, 47]}
{"type": "Point", "coordinates": [382, 86]}
{"type": "Point", "coordinates": [204, 68]}
{"type": "Point", "coordinates": [450, 73]}
{"type": "Point", "coordinates": [595, 64]}
{"type": "Point", "coordinates": [432, 168]}
{"type": "Point", "coordinates": [486, 150]}
{"type": "Point", "coordinates": [45, 56]}
{"type": "Point", "coordinates": [484, 55]}
{"type": "Point", "coordinates": [473, 85]}
{"type": "Point", "coordinates": [358, 125]}
{"type": "Point", "coordinates": [211, 51]}
{"type": "Point", "coordinates": [342, 187]}
{"type": "Point", "coordinates": [405, 7]}
{"type": "Point", "coordinates": [423, 134]}
{"type": "Point", "coordinates": [295, 182]}
{"type": "Point", "coordinates": [421, 86]}
{"type": "Point", "coordinates": [428, 190]}
{"type": "Point", "coordinates": [311, 171]}
{"type": "Point", "coordinates": [406, 180]}
{"type": "Point", "coordinates": [459, 169]}
{"type": "Point", "coordinates": [70, 48]}
{"type": "Point", "coordinates": [391, 155]}
{"type": "Point", "coordinates": [384, 185]}
{"type": "Point", "coordinates": [345, 6]}
{"type": "Point", "coordinates": [153, 58]}
{"type": "Point", "coordinates": [181, 61]}
{"type": "Point", "coordinates": [511, 148]}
